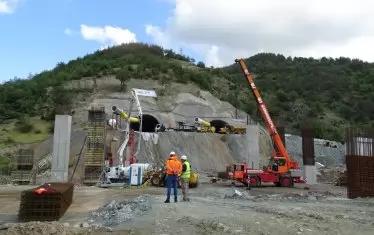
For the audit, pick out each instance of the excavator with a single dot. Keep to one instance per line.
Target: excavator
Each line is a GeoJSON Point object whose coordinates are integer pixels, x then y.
{"type": "Point", "coordinates": [281, 170]}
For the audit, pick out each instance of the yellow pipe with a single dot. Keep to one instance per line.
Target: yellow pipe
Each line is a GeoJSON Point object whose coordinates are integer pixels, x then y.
{"type": "Point", "coordinates": [202, 122]}
{"type": "Point", "coordinates": [124, 115]}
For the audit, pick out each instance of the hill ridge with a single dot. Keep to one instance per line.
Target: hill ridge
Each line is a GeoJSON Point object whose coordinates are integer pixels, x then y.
{"type": "Point", "coordinates": [331, 93]}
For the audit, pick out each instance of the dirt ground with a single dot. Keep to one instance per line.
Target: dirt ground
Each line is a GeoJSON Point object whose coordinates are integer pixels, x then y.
{"type": "Point", "coordinates": [214, 209]}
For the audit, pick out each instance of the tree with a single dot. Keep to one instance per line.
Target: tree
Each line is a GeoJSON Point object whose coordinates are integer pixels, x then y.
{"type": "Point", "coordinates": [123, 75]}
{"type": "Point", "coordinates": [201, 64]}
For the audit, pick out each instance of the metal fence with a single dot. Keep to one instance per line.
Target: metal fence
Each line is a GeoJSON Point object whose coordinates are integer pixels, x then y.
{"type": "Point", "coordinates": [360, 162]}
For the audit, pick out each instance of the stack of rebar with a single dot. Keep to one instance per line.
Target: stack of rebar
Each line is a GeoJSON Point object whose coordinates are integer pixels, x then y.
{"type": "Point", "coordinates": [95, 145]}
{"type": "Point", "coordinates": [307, 133]}
{"type": "Point", "coordinates": [360, 162]}
{"type": "Point", "coordinates": [48, 202]}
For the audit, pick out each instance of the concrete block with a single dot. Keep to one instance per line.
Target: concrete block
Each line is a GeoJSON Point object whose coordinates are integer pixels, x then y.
{"type": "Point", "coordinates": [253, 146]}
{"type": "Point", "coordinates": [61, 148]}
{"type": "Point", "coordinates": [310, 174]}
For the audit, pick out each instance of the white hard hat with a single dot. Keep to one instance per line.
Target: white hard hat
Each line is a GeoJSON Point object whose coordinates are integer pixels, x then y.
{"type": "Point", "coordinates": [184, 157]}
{"type": "Point", "coordinates": [172, 153]}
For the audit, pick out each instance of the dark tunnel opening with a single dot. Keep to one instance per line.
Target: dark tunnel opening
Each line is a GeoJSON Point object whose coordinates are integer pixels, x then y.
{"type": "Point", "coordinates": [218, 124]}
{"type": "Point", "coordinates": [148, 125]}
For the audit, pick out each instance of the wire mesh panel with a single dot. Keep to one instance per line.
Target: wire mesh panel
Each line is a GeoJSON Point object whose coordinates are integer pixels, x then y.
{"type": "Point", "coordinates": [92, 174]}
{"type": "Point", "coordinates": [25, 159]}
{"type": "Point", "coordinates": [360, 162]}
{"type": "Point", "coordinates": [22, 166]}
{"type": "Point", "coordinates": [307, 135]}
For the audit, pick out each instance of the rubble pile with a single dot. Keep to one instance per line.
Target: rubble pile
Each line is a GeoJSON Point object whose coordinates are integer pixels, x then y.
{"type": "Point", "coordinates": [36, 228]}
{"type": "Point", "coordinates": [116, 213]}
{"type": "Point", "coordinates": [336, 176]}
{"type": "Point", "coordinates": [236, 194]}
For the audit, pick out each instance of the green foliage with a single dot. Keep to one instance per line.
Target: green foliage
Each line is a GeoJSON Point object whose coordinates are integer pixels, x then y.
{"type": "Point", "coordinates": [4, 165]}
{"type": "Point", "coordinates": [330, 93]}
{"type": "Point", "coordinates": [200, 64]}
{"type": "Point", "coordinates": [24, 125]}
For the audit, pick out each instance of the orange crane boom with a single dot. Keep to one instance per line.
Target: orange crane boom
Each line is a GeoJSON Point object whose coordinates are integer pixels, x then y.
{"type": "Point", "coordinates": [280, 149]}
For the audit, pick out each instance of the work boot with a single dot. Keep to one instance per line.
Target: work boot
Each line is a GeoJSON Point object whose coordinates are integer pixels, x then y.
{"type": "Point", "coordinates": [175, 200]}
{"type": "Point", "coordinates": [167, 201]}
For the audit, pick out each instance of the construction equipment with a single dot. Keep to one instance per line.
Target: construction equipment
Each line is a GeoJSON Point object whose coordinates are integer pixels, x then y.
{"type": "Point", "coordinates": [185, 127]}
{"type": "Point", "coordinates": [158, 178]}
{"type": "Point", "coordinates": [203, 126]}
{"type": "Point", "coordinates": [116, 175]}
{"type": "Point", "coordinates": [229, 129]}
{"type": "Point", "coordinates": [281, 170]}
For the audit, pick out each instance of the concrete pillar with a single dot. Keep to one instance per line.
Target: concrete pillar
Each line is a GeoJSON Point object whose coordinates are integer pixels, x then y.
{"type": "Point", "coordinates": [310, 174]}
{"type": "Point", "coordinates": [310, 171]}
{"type": "Point", "coordinates": [61, 148]}
{"type": "Point", "coordinates": [253, 146]}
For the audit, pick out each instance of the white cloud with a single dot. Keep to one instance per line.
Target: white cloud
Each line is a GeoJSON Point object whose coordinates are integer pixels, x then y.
{"type": "Point", "coordinates": [68, 31]}
{"type": "Point", "coordinates": [241, 28]}
{"type": "Point", "coordinates": [107, 35]}
{"type": "Point", "coordinates": [8, 6]}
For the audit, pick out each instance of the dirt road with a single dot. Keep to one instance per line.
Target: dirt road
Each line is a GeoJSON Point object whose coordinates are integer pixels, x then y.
{"type": "Point", "coordinates": [213, 210]}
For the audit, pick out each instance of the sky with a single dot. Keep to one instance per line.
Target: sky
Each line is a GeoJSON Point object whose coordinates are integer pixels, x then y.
{"type": "Point", "coordinates": [37, 34]}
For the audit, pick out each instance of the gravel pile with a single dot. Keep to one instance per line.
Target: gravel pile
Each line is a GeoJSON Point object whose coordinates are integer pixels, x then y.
{"type": "Point", "coordinates": [116, 213]}
{"type": "Point", "coordinates": [328, 156]}
{"type": "Point", "coordinates": [36, 228]}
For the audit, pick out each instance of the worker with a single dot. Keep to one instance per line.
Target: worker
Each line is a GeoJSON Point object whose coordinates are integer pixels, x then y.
{"type": "Point", "coordinates": [173, 170]}
{"type": "Point", "coordinates": [185, 177]}
{"type": "Point", "coordinates": [275, 166]}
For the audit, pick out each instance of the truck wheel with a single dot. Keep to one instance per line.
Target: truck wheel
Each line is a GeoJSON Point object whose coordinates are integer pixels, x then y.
{"type": "Point", "coordinates": [253, 181]}
{"type": "Point", "coordinates": [155, 181]}
{"type": "Point", "coordinates": [286, 182]}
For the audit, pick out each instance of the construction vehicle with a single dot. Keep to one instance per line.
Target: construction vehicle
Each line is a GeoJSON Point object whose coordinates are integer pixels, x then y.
{"type": "Point", "coordinates": [185, 127]}
{"type": "Point", "coordinates": [196, 127]}
{"type": "Point", "coordinates": [158, 179]}
{"type": "Point", "coordinates": [229, 129]}
{"type": "Point", "coordinates": [204, 126]}
{"type": "Point", "coordinates": [281, 170]}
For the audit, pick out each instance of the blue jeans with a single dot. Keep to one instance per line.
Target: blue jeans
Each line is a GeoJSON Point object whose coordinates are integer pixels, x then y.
{"type": "Point", "coordinates": [172, 181]}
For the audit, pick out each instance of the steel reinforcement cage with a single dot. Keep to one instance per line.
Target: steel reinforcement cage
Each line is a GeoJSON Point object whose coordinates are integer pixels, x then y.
{"type": "Point", "coordinates": [360, 162]}
{"type": "Point", "coordinates": [307, 135]}
{"type": "Point", "coordinates": [22, 165]}
{"type": "Point", "coordinates": [95, 145]}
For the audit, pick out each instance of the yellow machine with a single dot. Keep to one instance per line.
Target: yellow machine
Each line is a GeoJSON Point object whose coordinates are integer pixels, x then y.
{"type": "Point", "coordinates": [204, 126]}
{"type": "Point", "coordinates": [158, 179]}
{"type": "Point", "coordinates": [194, 179]}
{"type": "Point", "coordinates": [233, 130]}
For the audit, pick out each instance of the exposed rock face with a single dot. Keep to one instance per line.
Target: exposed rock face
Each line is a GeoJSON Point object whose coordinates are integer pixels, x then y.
{"type": "Point", "coordinates": [206, 151]}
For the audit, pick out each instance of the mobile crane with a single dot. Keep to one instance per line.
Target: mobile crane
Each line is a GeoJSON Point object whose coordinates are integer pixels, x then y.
{"type": "Point", "coordinates": [281, 170]}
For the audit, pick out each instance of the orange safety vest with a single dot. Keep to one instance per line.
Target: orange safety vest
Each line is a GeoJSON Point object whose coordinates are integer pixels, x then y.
{"type": "Point", "coordinates": [173, 166]}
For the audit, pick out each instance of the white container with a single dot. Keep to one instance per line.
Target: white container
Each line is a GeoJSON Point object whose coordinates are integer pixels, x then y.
{"type": "Point", "coordinates": [136, 175]}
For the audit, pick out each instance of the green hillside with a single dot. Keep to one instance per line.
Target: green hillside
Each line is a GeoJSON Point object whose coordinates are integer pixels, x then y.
{"type": "Point", "coordinates": [331, 93]}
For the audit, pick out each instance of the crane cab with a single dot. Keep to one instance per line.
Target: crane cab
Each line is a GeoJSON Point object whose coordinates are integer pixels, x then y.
{"type": "Point", "coordinates": [278, 165]}
{"type": "Point", "coordinates": [237, 171]}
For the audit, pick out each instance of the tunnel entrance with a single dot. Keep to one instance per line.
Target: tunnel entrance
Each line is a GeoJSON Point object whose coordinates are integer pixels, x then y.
{"type": "Point", "coordinates": [218, 124]}
{"type": "Point", "coordinates": [149, 124]}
